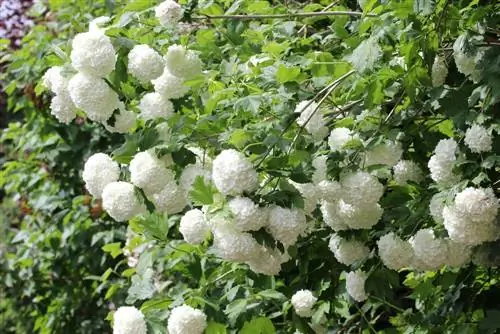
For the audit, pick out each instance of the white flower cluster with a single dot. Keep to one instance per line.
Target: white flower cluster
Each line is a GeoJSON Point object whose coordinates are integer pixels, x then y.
{"type": "Point", "coordinates": [355, 285]}
{"type": "Point", "coordinates": [182, 63]}
{"type": "Point", "coordinates": [436, 206]}
{"type": "Point", "coordinates": [129, 320]}
{"type": "Point", "coordinates": [347, 252]}
{"type": "Point", "coordinates": [120, 201]}
{"type": "Point", "coordinates": [311, 119]}
{"type": "Point", "coordinates": [394, 252]}
{"type": "Point", "coordinates": [168, 13]}
{"type": "Point", "coordinates": [144, 63]}
{"type": "Point", "coordinates": [285, 225]}
{"type": "Point", "coordinates": [320, 168]}
{"type": "Point", "coordinates": [339, 137]}
{"type": "Point", "coordinates": [471, 219]}
{"type": "Point", "coordinates": [441, 163]}
{"type": "Point", "coordinates": [233, 174]}
{"type": "Point", "coordinates": [478, 139]}
{"type": "Point", "coordinates": [194, 227]}
{"type": "Point", "coordinates": [407, 170]}
{"type": "Point", "coordinates": [439, 72]}
{"type": "Point", "coordinates": [98, 172]}
{"type": "Point", "coordinates": [387, 153]}
{"type": "Point", "coordinates": [303, 302]}
{"type": "Point", "coordinates": [185, 319]}
{"type": "Point", "coordinates": [61, 105]}
{"type": "Point", "coordinates": [357, 206]}
{"type": "Point", "coordinates": [248, 216]}
{"type": "Point", "coordinates": [467, 63]}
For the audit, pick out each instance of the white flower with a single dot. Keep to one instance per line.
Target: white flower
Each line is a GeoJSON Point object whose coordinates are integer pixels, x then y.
{"type": "Point", "coordinates": [98, 172]}
{"type": "Point", "coordinates": [153, 105]}
{"type": "Point", "coordinates": [442, 162]}
{"type": "Point", "coordinates": [458, 254]}
{"type": "Point", "coordinates": [303, 302]}
{"type": "Point", "coordinates": [124, 122]}
{"type": "Point", "coordinates": [54, 80]}
{"type": "Point", "coordinates": [185, 319]}
{"type": "Point", "coordinates": [320, 168]}
{"type": "Point", "coordinates": [436, 207]}
{"type": "Point", "coordinates": [285, 225]}
{"type": "Point", "coordinates": [478, 139]}
{"type": "Point", "coordinates": [430, 252]}
{"type": "Point", "coordinates": [467, 64]}
{"type": "Point", "coordinates": [329, 190]}
{"type": "Point", "coordinates": [94, 96]}
{"type": "Point", "coordinates": [149, 173]}
{"type": "Point", "coordinates": [309, 193]}
{"type": "Point", "coordinates": [144, 63]}
{"type": "Point", "coordinates": [361, 216]}
{"type": "Point", "coordinates": [446, 148]}
{"type": "Point", "coordinates": [63, 108]}
{"type": "Point", "coordinates": [439, 71]}
{"type": "Point", "coordinates": [365, 56]}
{"type": "Point", "coordinates": [394, 252]}
{"type": "Point", "coordinates": [339, 137]}
{"type": "Point", "coordinates": [407, 170]}
{"type": "Point", "coordinates": [120, 201]}
{"type": "Point", "coordinates": [168, 13]}
{"type": "Point", "coordinates": [170, 86]}
{"type": "Point", "coordinates": [189, 175]}
{"type": "Point", "coordinates": [129, 320]}
{"type": "Point", "coordinates": [346, 251]}
{"type": "Point", "coordinates": [311, 119]}
{"type": "Point", "coordinates": [232, 245]}
{"type": "Point", "coordinates": [329, 210]}
{"type": "Point", "coordinates": [355, 285]}
{"type": "Point", "coordinates": [233, 174]}
{"type": "Point", "coordinates": [268, 261]}
{"type": "Point", "coordinates": [182, 63]}
{"type": "Point", "coordinates": [248, 216]}
{"type": "Point", "coordinates": [193, 226]}
{"type": "Point", "coordinates": [471, 219]}
{"type": "Point", "coordinates": [171, 199]}
{"type": "Point", "coordinates": [387, 153]}
{"type": "Point", "coordinates": [361, 187]}
{"type": "Point", "coordinates": [93, 54]}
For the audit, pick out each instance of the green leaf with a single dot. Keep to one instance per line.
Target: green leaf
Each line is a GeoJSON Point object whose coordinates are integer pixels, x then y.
{"type": "Point", "coordinates": [287, 74]}
{"type": "Point", "coordinates": [272, 294]}
{"type": "Point", "coordinates": [260, 325]}
{"type": "Point", "coordinates": [201, 193]}
{"type": "Point", "coordinates": [249, 103]}
{"type": "Point", "coordinates": [424, 7]}
{"type": "Point", "coordinates": [114, 249]}
{"type": "Point", "coordinates": [215, 328]}
{"type": "Point", "coordinates": [138, 5]}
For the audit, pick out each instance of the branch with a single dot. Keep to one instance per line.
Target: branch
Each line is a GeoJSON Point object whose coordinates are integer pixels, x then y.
{"type": "Point", "coordinates": [281, 16]}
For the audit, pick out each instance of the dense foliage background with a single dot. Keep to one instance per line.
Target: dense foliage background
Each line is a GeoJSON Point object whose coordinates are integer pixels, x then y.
{"type": "Point", "coordinates": [67, 265]}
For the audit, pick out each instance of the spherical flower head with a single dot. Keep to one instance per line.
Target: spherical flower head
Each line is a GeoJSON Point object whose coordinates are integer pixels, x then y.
{"type": "Point", "coordinates": [436, 207]}
{"type": "Point", "coordinates": [361, 216]}
{"type": "Point", "coordinates": [268, 261]}
{"type": "Point", "coordinates": [94, 96]}
{"type": "Point", "coordinates": [339, 137]}
{"type": "Point", "coordinates": [153, 105]}
{"type": "Point", "coordinates": [185, 319]}
{"type": "Point", "coordinates": [458, 254]}
{"type": "Point", "coordinates": [439, 72]}
{"type": "Point", "coordinates": [311, 119]}
{"type": "Point", "coordinates": [430, 252]}
{"type": "Point", "coordinates": [170, 86]}
{"type": "Point", "coordinates": [303, 302]}
{"type": "Point", "coordinates": [124, 122]}
{"type": "Point", "coordinates": [63, 108]}
{"type": "Point", "coordinates": [355, 285]}
{"type": "Point", "coordinates": [168, 13]}
{"type": "Point", "coordinates": [407, 170]}
{"type": "Point", "coordinates": [285, 225]}
{"type": "Point", "coordinates": [387, 153]}
{"type": "Point", "coordinates": [446, 149]}
{"type": "Point", "coordinates": [232, 245]}
{"type": "Point", "coordinates": [120, 201]}
{"type": "Point", "coordinates": [99, 171]}
{"type": "Point", "coordinates": [248, 216]}
{"type": "Point", "coordinates": [478, 204]}
{"type": "Point", "coordinates": [329, 190]}
{"type": "Point", "coordinates": [347, 252]}
{"type": "Point", "coordinates": [193, 226]}
{"type": "Point", "coordinates": [171, 199]}
{"type": "Point", "coordinates": [394, 252]}
{"type": "Point", "coordinates": [330, 212]}
{"type": "Point", "coordinates": [320, 168]}
{"type": "Point", "coordinates": [93, 53]}
{"type": "Point", "coordinates": [129, 320]}
{"type": "Point", "coordinates": [149, 173]}
{"type": "Point", "coordinates": [478, 139]}
{"type": "Point", "coordinates": [441, 169]}
{"type": "Point", "coordinates": [361, 187]}
{"type": "Point", "coordinates": [309, 193]}
{"type": "Point", "coordinates": [54, 80]}
{"type": "Point", "coordinates": [144, 63]}
{"type": "Point", "coordinates": [233, 174]}
{"type": "Point", "coordinates": [182, 63]}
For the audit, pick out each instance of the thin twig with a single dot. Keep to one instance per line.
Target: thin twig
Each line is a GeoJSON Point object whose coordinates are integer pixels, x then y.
{"type": "Point", "coordinates": [365, 318]}
{"type": "Point", "coordinates": [281, 16]}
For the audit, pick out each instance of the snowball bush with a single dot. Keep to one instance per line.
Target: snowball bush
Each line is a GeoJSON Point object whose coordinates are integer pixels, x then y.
{"type": "Point", "coordinates": [99, 171]}
{"type": "Point", "coordinates": [185, 319]}
{"type": "Point", "coordinates": [233, 174]}
{"type": "Point", "coordinates": [129, 320]}
{"type": "Point", "coordinates": [303, 302]}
